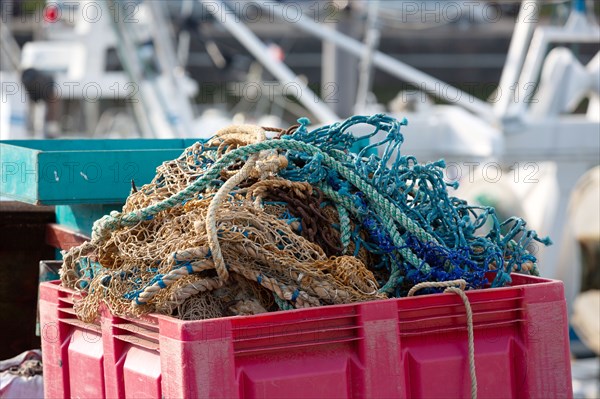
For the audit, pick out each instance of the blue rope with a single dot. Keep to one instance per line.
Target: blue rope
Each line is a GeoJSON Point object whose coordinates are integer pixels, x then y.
{"type": "Point", "coordinates": [389, 205]}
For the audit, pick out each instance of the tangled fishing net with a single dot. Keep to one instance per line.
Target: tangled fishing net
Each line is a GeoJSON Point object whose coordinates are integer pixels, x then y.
{"type": "Point", "coordinates": [245, 224]}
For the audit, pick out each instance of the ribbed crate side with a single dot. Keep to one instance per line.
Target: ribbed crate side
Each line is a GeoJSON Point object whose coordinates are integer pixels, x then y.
{"type": "Point", "coordinates": [391, 348]}
{"type": "Point", "coordinates": [311, 372]}
{"type": "Point", "coordinates": [200, 368]}
{"type": "Point", "coordinates": [76, 349]}
{"type": "Point", "coordinates": [132, 359]}
{"type": "Point", "coordinates": [113, 359]}
{"type": "Point", "coordinates": [383, 375]}
{"type": "Point", "coordinates": [433, 333]}
{"type": "Point", "coordinates": [56, 374]}
{"type": "Point", "coordinates": [86, 364]}
{"type": "Point", "coordinates": [311, 353]}
{"type": "Point", "coordinates": [547, 361]}
{"type": "Point", "coordinates": [141, 373]}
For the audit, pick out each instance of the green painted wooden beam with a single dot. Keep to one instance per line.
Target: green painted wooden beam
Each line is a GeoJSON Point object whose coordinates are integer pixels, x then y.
{"type": "Point", "coordinates": [61, 172]}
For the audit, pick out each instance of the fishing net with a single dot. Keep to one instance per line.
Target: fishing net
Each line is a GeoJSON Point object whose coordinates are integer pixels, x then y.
{"type": "Point", "coordinates": [245, 224]}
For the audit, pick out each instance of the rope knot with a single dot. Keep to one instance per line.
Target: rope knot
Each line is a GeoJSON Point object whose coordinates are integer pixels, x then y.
{"type": "Point", "coordinates": [102, 227]}
{"type": "Point", "coordinates": [269, 164]}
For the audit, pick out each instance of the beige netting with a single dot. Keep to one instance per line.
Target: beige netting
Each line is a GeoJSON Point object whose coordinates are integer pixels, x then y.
{"type": "Point", "coordinates": [228, 250]}
{"type": "Point", "coordinates": [243, 225]}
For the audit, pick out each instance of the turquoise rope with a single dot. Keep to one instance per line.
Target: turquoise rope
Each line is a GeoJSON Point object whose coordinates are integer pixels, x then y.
{"type": "Point", "coordinates": [282, 304]}
{"type": "Point", "coordinates": [402, 213]}
{"type": "Point", "coordinates": [345, 230]}
{"type": "Point", "coordinates": [389, 225]}
{"type": "Point", "coordinates": [101, 227]}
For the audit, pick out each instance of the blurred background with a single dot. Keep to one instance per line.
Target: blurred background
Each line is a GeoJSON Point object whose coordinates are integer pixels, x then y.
{"type": "Point", "coordinates": [508, 92]}
{"type": "Point", "coordinates": [103, 66]}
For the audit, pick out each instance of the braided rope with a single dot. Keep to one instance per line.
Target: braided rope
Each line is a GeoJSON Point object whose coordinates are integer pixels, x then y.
{"type": "Point", "coordinates": [308, 296]}
{"type": "Point", "coordinates": [169, 278]}
{"type": "Point", "coordinates": [391, 228]}
{"type": "Point", "coordinates": [245, 134]}
{"type": "Point", "coordinates": [258, 189]}
{"type": "Point", "coordinates": [205, 284]}
{"type": "Point", "coordinates": [394, 213]}
{"type": "Point", "coordinates": [110, 222]}
{"type": "Point", "coordinates": [211, 215]}
{"type": "Point", "coordinates": [346, 233]}
{"type": "Point", "coordinates": [451, 286]}
{"type": "Point", "coordinates": [300, 298]}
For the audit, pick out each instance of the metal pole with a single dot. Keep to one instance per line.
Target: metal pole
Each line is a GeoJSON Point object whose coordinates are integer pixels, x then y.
{"type": "Point", "coordinates": [169, 63]}
{"type": "Point", "coordinates": [516, 55]}
{"type": "Point", "coordinates": [346, 66]}
{"type": "Point", "coordinates": [183, 49]}
{"type": "Point", "coordinates": [366, 62]}
{"type": "Point", "coordinates": [329, 77]}
{"type": "Point", "coordinates": [256, 47]}
{"type": "Point", "coordinates": [423, 81]}
{"type": "Point", "coordinates": [127, 55]}
{"type": "Point", "coordinates": [11, 53]}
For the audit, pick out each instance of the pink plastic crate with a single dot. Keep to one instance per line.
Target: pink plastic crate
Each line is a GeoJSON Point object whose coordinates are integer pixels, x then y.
{"type": "Point", "coordinates": [410, 347]}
